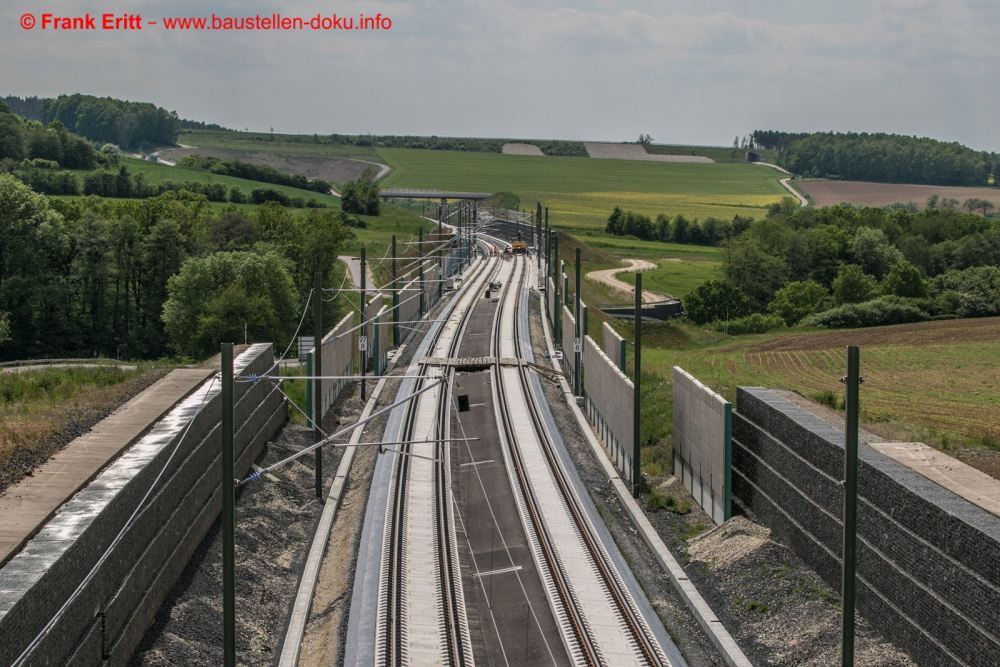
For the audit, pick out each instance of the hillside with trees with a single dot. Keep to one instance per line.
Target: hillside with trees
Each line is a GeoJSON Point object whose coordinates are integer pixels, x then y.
{"type": "Point", "coordinates": [105, 119]}
{"type": "Point", "coordinates": [880, 158]}
{"type": "Point", "coordinates": [154, 277]}
{"type": "Point", "coordinates": [845, 267]}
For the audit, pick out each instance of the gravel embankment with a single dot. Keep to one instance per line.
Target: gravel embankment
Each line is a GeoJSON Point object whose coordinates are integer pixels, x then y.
{"type": "Point", "coordinates": [275, 525]}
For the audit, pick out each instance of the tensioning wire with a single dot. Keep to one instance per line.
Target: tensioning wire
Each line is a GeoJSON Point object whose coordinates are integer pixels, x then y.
{"type": "Point", "coordinates": [256, 476]}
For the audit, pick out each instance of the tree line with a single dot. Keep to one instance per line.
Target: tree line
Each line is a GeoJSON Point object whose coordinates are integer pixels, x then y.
{"type": "Point", "coordinates": [842, 266]}
{"type": "Point", "coordinates": [105, 119]}
{"type": "Point", "coordinates": [264, 173]}
{"type": "Point", "coordinates": [27, 139]}
{"type": "Point", "coordinates": [674, 229]}
{"type": "Point", "coordinates": [880, 158]}
{"type": "Point", "coordinates": [154, 277]}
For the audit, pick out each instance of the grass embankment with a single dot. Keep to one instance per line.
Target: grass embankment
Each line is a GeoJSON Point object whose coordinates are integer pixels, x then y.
{"type": "Point", "coordinates": [157, 173]}
{"type": "Point", "coordinates": [932, 382]}
{"type": "Point", "coordinates": [280, 144]}
{"type": "Point", "coordinates": [581, 192]}
{"type": "Point", "coordinates": [722, 154]}
{"type": "Point", "coordinates": [42, 410]}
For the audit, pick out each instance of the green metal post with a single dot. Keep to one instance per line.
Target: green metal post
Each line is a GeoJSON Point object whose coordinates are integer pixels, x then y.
{"type": "Point", "coordinates": [565, 279]}
{"type": "Point", "coordinates": [637, 397]}
{"type": "Point", "coordinates": [440, 254]}
{"type": "Point", "coordinates": [621, 357]}
{"type": "Point", "coordinates": [850, 503]}
{"type": "Point", "coordinates": [395, 296]}
{"type": "Point", "coordinates": [727, 455]}
{"type": "Point", "coordinates": [376, 353]}
{"type": "Point", "coordinates": [364, 321]}
{"type": "Point", "coordinates": [420, 270]}
{"type": "Point", "coordinates": [578, 319]}
{"type": "Point", "coordinates": [317, 383]}
{"type": "Point", "coordinates": [557, 283]}
{"type": "Point", "coordinates": [228, 513]}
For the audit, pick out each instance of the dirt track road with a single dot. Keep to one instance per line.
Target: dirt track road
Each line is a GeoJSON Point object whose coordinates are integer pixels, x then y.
{"type": "Point", "coordinates": [607, 276]}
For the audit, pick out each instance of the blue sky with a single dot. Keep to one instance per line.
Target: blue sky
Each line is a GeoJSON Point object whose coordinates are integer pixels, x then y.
{"type": "Point", "coordinates": [682, 71]}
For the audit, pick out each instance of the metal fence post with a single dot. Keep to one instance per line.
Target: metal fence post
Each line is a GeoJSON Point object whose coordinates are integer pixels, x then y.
{"type": "Point", "coordinates": [637, 396]}
{"type": "Point", "coordinates": [395, 296]}
{"type": "Point", "coordinates": [420, 270]}
{"type": "Point", "coordinates": [578, 317]}
{"type": "Point", "coordinates": [318, 384]}
{"type": "Point", "coordinates": [364, 321]}
{"type": "Point", "coordinates": [228, 513]}
{"type": "Point", "coordinates": [848, 583]}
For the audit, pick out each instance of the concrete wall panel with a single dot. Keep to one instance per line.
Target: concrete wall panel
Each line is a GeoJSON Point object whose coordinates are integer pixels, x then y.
{"type": "Point", "coordinates": [609, 403]}
{"type": "Point", "coordinates": [611, 344]}
{"type": "Point", "coordinates": [338, 359]}
{"type": "Point", "coordinates": [702, 426]}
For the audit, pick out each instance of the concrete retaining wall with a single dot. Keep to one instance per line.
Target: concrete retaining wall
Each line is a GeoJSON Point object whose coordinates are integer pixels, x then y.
{"type": "Point", "coordinates": [108, 619]}
{"type": "Point", "coordinates": [381, 326]}
{"type": "Point", "coordinates": [338, 359]}
{"type": "Point", "coordinates": [609, 405]}
{"type": "Point", "coordinates": [613, 346]}
{"type": "Point", "coordinates": [409, 306]}
{"type": "Point", "coordinates": [432, 286]}
{"type": "Point", "coordinates": [928, 561]}
{"type": "Point", "coordinates": [568, 332]}
{"type": "Point", "coordinates": [702, 444]}
{"type": "Point", "coordinates": [550, 301]}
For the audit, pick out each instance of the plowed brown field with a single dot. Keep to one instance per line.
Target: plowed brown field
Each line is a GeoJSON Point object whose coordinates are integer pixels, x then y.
{"type": "Point", "coordinates": [830, 193]}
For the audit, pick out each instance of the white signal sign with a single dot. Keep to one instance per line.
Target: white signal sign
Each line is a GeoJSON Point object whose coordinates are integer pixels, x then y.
{"type": "Point", "coordinates": [363, 343]}
{"type": "Point", "coordinates": [578, 345]}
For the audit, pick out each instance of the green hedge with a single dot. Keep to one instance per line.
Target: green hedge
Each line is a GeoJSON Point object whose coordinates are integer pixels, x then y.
{"type": "Point", "coordinates": [874, 313]}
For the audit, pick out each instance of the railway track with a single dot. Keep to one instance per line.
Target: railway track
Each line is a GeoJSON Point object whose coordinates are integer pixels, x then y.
{"type": "Point", "coordinates": [421, 616]}
{"type": "Point", "coordinates": [598, 619]}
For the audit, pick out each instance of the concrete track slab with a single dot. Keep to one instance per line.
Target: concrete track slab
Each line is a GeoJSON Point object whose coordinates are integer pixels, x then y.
{"type": "Point", "coordinates": [29, 504]}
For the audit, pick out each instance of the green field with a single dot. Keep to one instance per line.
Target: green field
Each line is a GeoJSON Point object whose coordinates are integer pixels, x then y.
{"type": "Point", "coordinates": [931, 382]}
{"type": "Point", "coordinates": [680, 267]}
{"type": "Point", "coordinates": [279, 144]}
{"type": "Point", "coordinates": [676, 277]}
{"type": "Point", "coordinates": [581, 192]}
{"type": "Point", "coordinates": [157, 173]}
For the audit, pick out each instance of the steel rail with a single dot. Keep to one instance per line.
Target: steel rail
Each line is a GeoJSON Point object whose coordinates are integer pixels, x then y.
{"type": "Point", "coordinates": [449, 571]}
{"type": "Point", "coordinates": [607, 574]}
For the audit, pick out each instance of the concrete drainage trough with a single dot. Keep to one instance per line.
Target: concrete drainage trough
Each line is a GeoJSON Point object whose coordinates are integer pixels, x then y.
{"type": "Point", "coordinates": [115, 608]}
